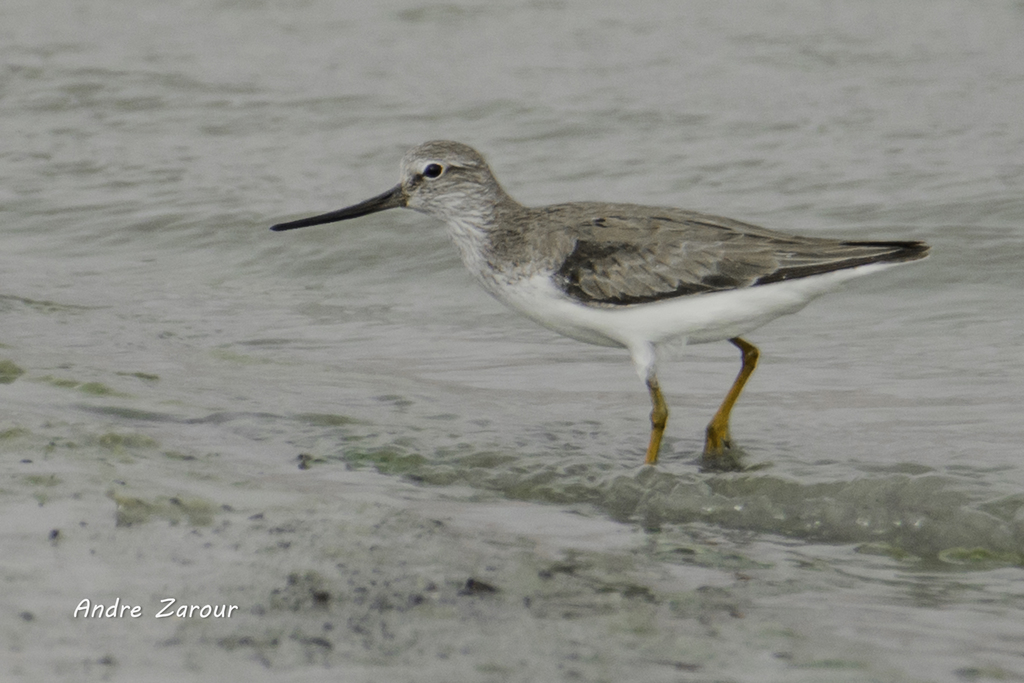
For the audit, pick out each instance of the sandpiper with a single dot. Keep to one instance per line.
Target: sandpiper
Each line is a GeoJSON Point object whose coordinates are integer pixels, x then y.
{"type": "Point", "coordinates": [625, 275]}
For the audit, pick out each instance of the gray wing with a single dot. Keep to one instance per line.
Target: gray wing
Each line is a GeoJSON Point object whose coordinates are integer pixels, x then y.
{"type": "Point", "coordinates": [623, 254]}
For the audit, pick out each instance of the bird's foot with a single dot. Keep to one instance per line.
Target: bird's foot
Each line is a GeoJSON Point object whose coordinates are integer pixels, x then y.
{"type": "Point", "coordinates": [716, 440]}
{"type": "Point", "coordinates": [719, 453]}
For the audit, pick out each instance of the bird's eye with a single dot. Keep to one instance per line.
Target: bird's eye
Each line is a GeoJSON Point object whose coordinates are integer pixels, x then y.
{"type": "Point", "coordinates": [433, 170]}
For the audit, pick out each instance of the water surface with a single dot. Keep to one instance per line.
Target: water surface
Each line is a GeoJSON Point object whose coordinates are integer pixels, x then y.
{"type": "Point", "coordinates": [335, 430]}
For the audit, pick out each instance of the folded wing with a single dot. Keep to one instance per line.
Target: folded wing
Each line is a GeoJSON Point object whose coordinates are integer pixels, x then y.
{"type": "Point", "coordinates": [621, 258]}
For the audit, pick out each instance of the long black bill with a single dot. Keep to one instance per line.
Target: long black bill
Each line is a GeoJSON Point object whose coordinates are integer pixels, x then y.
{"type": "Point", "coordinates": [392, 199]}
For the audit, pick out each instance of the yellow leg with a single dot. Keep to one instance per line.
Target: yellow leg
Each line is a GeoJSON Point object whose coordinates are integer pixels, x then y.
{"type": "Point", "coordinates": [659, 418]}
{"type": "Point", "coordinates": [718, 429]}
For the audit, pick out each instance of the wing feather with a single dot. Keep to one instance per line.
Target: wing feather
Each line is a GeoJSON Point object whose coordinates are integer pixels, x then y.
{"type": "Point", "coordinates": [625, 254]}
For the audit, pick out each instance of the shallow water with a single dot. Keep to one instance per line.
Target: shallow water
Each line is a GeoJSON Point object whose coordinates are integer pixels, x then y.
{"type": "Point", "coordinates": [335, 430]}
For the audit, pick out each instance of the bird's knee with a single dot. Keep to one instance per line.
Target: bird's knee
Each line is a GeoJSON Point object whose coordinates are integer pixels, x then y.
{"type": "Point", "coordinates": [659, 416]}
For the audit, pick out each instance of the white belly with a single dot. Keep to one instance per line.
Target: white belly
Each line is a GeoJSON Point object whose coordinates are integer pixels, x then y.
{"type": "Point", "coordinates": [691, 319]}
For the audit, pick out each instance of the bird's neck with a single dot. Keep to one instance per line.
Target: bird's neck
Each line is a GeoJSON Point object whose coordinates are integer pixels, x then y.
{"type": "Point", "coordinates": [481, 235]}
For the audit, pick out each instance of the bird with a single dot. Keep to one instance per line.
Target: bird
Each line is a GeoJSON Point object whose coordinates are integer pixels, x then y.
{"type": "Point", "coordinates": [643, 278]}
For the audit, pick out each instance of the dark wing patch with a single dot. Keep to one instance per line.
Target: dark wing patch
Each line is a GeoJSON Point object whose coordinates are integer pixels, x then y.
{"type": "Point", "coordinates": [622, 259]}
{"type": "Point", "coordinates": [622, 274]}
{"type": "Point", "coordinates": [892, 252]}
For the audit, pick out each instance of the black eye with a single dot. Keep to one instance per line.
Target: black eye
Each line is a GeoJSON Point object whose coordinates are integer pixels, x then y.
{"type": "Point", "coordinates": [433, 170]}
